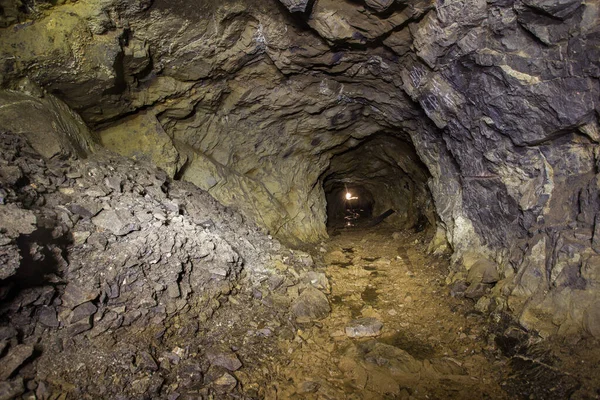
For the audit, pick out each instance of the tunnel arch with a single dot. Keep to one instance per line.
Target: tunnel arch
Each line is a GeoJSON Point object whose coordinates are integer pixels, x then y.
{"type": "Point", "coordinates": [385, 173]}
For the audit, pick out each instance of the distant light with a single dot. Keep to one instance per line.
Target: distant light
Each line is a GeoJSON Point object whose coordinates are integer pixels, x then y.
{"type": "Point", "coordinates": [350, 197]}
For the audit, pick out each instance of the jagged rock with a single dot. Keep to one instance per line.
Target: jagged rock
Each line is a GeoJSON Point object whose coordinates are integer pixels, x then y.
{"type": "Point", "coordinates": [295, 5]}
{"type": "Point", "coordinates": [379, 5]}
{"type": "Point", "coordinates": [311, 304]}
{"type": "Point", "coordinates": [83, 311]}
{"type": "Point", "coordinates": [17, 221]}
{"type": "Point", "coordinates": [79, 327]}
{"type": "Point", "coordinates": [483, 271]}
{"type": "Point", "coordinates": [14, 359]}
{"type": "Point", "coordinates": [75, 295]}
{"type": "Point", "coordinates": [55, 129]}
{"type": "Point", "coordinates": [48, 317]}
{"type": "Point", "coordinates": [318, 280]}
{"type": "Point", "coordinates": [7, 332]}
{"type": "Point", "coordinates": [225, 383]}
{"type": "Point", "coordinates": [476, 291]}
{"type": "Point", "coordinates": [11, 389]}
{"type": "Point", "coordinates": [227, 360]}
{"type": "Point", "coordinates": [394, 358]}
{"type": "Point", "coordinates": [364, 327]}
{"type": "Point", "coordinates": [119, 222]}
{"type": "Point", "coordinates": [145, 361]}
{"type": "Point", "coordinates": [592, 319]}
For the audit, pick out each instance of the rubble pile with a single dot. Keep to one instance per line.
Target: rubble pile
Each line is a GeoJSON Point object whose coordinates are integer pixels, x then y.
{"type": "Point", "coordinates": [111, 276]}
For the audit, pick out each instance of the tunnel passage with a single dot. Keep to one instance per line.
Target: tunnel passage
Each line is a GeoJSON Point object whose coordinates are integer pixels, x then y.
{"type": "Point", "coordinates": [380, 173]}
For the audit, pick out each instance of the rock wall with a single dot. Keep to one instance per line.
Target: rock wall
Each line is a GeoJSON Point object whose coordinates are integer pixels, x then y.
{"type": "Point", "coordinates": [251, 100]}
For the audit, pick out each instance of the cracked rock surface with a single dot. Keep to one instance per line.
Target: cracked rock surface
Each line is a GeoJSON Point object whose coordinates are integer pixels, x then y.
{"type": "Point", "coordinates": [255, 101]}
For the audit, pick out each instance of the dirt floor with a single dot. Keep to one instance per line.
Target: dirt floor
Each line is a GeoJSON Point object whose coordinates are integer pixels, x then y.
{"type": "Point", "coordinates": [431, 345]}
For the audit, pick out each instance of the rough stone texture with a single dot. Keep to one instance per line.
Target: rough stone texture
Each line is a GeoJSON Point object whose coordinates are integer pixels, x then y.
{"type": "Point", "coordinates": [14, 359]}
{"type": "Point", "coordinates": [159, 289]}
{"type": "Point", "coordinates": [498, 98]}
{"type": "Point", "coordinates": [364, 327]}
{"type": "Point", "coordinates": [311, 304]}
{"type": "Point", "coordinates": [50, 126]}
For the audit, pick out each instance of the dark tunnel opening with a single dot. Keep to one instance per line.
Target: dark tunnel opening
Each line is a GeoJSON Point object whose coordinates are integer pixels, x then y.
{"type": "Point", "coordinates": [380, 178]}
{"type": "Point", "coordinates": [349, 205]}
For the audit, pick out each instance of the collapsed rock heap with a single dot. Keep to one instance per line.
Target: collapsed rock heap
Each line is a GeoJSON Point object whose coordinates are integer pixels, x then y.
{"type": "Point", "coordinates": [111, 274]}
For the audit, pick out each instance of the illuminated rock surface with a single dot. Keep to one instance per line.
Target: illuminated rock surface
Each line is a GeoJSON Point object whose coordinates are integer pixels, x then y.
{"type": "Point", "coordinates": [476, 121]}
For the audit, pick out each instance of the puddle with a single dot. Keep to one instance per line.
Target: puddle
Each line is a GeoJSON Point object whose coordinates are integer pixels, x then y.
{"type": "Point", "coordinates": [369, 295]}
{"type": "Point", "coordinates": [414, 347]}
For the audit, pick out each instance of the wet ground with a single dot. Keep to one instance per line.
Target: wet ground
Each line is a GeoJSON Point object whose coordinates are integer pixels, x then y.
{"type": "Point", "coordinates": [431, 345]}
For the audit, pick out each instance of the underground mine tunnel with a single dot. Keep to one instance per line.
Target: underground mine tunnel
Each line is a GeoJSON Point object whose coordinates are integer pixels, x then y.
{"type": "Point", "coordinates": [294, 199]}
{"type": "Point", "coordinates": [381, 175]}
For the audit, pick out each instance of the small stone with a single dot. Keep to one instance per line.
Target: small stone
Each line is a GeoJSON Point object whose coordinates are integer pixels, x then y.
{"type": "Point", "coordinates": [476, 291]}
{"type": "Point", "coordinates": [225, 383]}
{"type": "Point", "coordinates": [379, 5]}
{"type": "Point", "coordinates": [275, 281]}
{"type": "Point", "coordinates": [119, 222]}
{"type": "Point", "coordinates": [483, 271]}
{"type": "Point", "coordinates": [82, 311]}
{"type": "Point", "coordinates": [173, 290]}
{"type": "Point", "coordinates": [145, 361]}
{"type": "Point", "coordinates": [318, 280]}
{"type": "Point", "coordinates": [308, 387]}
{"type": "Point", "coordinates": [14, 359]}
{"type": "Point", "coordinates": [79, 238]}
{"type": "Point", "coordinates": [257, 294]}
{"type": "Point", "coordinates": [80, 327]}
{"type": "Point", "coordinates": [75, 295]}
{"type": "Point", "coordinates": [227, 360]}
{"type": "Point", "coordinates": [48, 317]}
{"type": "Point", "coordinates": [311, 304]}
{"type": "Point", "coordinates": [458, 288]}
{"type": "Point", "coordinates": [364, 327]}
{"type": "Point", "coordinates": [11, 389]}
{"type": "Point", "coordinates": [336, 257]}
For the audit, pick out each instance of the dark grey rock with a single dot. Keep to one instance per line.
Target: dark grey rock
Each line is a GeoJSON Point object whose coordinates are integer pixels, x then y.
{"type": "Point", "coordinates": [48, 317]}
{"type": "Point", "coordinates": [14, 359]}
{"type": "Point", "coordinates": [119, 222]}
{"type": "Point", "coordinates": [379, 5]}
{"type": "Point", "coordinates": [83, 311]}
{"type": "Point", "coordinates": [75, 295]}
{"type": "Point", "coordinates": [80, 326]}
{"type": "Point", "coordinates": [477, 290]}
{"type": "Point", "coordinates": [11, 389]}
{"type": "Point", "coordinates": [225, 359]}
{"type": "Point", "coordinates": [145, 361]}
{"type": "Point", "coordinates": [311, 304]}
{"type": "Point", "coordinates": [295, 5]}
{"type": "Point", "coordinates": [7, 332]}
